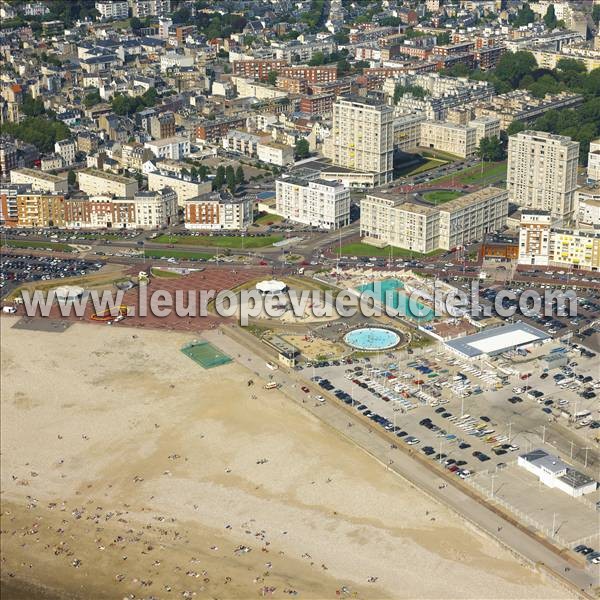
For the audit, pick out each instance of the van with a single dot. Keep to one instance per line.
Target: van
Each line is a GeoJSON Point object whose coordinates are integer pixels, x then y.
{"type": "Point", "coordinates": [272, 366]}
{"type": "Point", "coordinates": [271, 385]}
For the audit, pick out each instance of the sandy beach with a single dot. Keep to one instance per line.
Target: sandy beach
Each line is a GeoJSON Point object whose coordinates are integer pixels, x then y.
{"type": "Point", "coordinates": [129, 471]}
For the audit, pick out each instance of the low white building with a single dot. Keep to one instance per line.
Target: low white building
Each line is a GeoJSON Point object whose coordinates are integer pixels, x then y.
{"type": "Point", "coordinates": [587, 200]}
{"type": "Point", "coordinates": [174, 148]}
{"type": "Point", "coordinates": [173, 59]}
{"type": "Point", "coordinates": [275, 154]}
{"type": "Point", "coordinates": [319, 203]}
{"type": "Point", "coordinates": [242, 142]}
{"type": "Point", "coordinates": [555, 473]}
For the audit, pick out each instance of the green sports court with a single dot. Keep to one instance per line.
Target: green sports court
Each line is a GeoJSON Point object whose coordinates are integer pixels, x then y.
{"type": "Point", "coordinates": [205, 354]}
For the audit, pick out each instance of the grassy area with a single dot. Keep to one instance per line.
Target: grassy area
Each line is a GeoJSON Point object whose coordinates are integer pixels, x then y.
{"type": "Point", "coordinates": [219, 241]}
{"type": "Point", "coordinates": [56, 246]}
{"type": "Point", "coordinates": [178, 254]}
{"type": "Point", "coordinates": [162, 274]}
{"type": "Point", "coordinates": [491, 172]}
{"type": "Point", "coordinates": [440, 196]}
{"type": "Point", "coordinates": [362, 249]}
{"type": "Point", "coordinates": [430, 163]}
{"type": "Point", "coordinates": [268, 219]}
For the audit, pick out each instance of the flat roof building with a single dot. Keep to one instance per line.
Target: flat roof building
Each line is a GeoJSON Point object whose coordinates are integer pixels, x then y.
{"type": "Point", "coordinates": [497, 340]}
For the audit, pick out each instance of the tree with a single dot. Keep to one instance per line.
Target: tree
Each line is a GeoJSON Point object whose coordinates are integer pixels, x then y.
{"type": "Point", "coordinates": [92, 98]}
{"type": "Point", "coordinates": [443, 39]}
{"type": "Point", "coordinates": [416, 90]}
{"type": "Point", "coordinates": [513, 66]}
{"type": "Point", "coordinates": [524, 16]}
{"type": "Point", "coordinates": [272, 77]}
{"type": "Point", "coordinates": [239, 175]}
{"type": "Point", "coordinates": [202, 172]}
{"type": "Point", "coordinates": [302, 149]}
{"type": "Point", "coordinates": [490, 149]}
{"type": "Point", "coordinates": [71, 178]}
{"type": "Point", "coordinates": [230, 178]}
{"type": "Point", "coordinates": [135, 24]}
{"type": "Point", "coordinates": [219, 179]}
{"type": "Point", "coordinates": [550, 17]}
{"type": "Point", "coordinates": [516, 127]}
{"type": "Point", "coordinates": [39, 131]}
{"type": "Point", "coordinates": [318, 58]}
{"type": "Point", "coordinates": [31, 107]}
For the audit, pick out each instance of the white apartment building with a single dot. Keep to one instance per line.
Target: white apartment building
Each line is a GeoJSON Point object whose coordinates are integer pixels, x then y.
{"type": "Point", "coordinates": [470, 217]}
{"type": "Point", "coordinates": [184, 186]}
{"type": "Point", "coordinates": [485, 127]}
{"type": "Point", "coordinates": [218, 211]}
{"type": "Point", "coordinates": [275, 154]}
{"type": "Point", "coordinates": [66, 149]}
{"type": "Point", "coordinates": [155, 209]}
{"type": "Point", "coordinates": [99, 183]}
{"type": "Point", "coordinates": [174, 148]}
{"type": "Point", "coordinates": [113, 9]}
{"type": "Point", "coordinates": [392, 220]}
{"type": "Point", "coordinates": [534, 237]}
{"type": "Point", "coordinates": [150, 8]}
{"type": "Point", "coordinates": [42, 182]}
{"type": "Point", "coordinates": [174, 59]}
{"type": "Point", "coordinates": [242, 142]}
{"type": "Point", "coordinates": [460, 140]}
{"type": "Point", "coordinates": [319, 203]}
{"type": "Point", "coordinates": [542, 172]}
{"type": "Point", "coordinates": [362, 136]}
{"type": "Point", "coordinates": [407, 131]}
{"type": "Point", "coordinates": [297, 51]}
{"type": "Point", "coordinates": [587, 200]}
{"type": "Point", "coordinates": [593, 169]}
{"type": "Point", "coordinates": [248, 88]}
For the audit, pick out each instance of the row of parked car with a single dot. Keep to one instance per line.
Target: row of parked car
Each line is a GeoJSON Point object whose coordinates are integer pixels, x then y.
{"type": "Point", "coordinates": [590, 554]}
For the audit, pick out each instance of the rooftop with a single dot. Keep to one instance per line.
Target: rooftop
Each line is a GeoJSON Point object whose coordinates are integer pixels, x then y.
{"type": "Point", "coordinates": [41, 175]}
{"type": "Point", "coordinates": [105, 175]}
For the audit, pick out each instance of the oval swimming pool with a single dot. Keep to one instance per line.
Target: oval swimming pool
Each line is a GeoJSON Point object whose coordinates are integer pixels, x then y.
{"type": "Point", "coordinates": [372, 339]}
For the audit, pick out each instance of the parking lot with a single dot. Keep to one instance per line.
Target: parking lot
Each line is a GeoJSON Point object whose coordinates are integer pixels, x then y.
{"type": "Point", "coordinates": [474, 419]}
{"type": "Point", "coordinates": [21, 268]}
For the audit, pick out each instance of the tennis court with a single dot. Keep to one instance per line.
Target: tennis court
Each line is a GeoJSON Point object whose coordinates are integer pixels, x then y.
{"type": "Point", "coordinates": [205, 354]}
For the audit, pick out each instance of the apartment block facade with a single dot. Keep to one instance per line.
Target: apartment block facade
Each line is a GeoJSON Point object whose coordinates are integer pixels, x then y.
{"type": "Point", "coordinates": [94, 182]}
{"type": "Point", "coordinates": [218, 211]}
{"type": "Point", "coordinates": [363, 136]}
{"type": "Point", "coordinates": [39, 181]}
{"type": "Point", "coordinates": [318, 203]}
{"type": "Point", "coordinates": [542, 172]}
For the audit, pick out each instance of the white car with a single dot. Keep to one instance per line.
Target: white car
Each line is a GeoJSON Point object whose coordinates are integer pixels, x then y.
{"type": "Point", "coordinates": [320, 398]}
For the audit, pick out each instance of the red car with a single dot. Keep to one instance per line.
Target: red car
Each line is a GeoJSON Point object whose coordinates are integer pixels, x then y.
{"type": "Point", "coordinates": [263, 263]}
{"type": "Point", "coordinates": [305, 389]}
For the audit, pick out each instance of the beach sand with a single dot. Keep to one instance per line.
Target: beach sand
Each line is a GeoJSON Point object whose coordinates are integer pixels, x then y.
{"type": "Point", "coordinates": [128, 469]}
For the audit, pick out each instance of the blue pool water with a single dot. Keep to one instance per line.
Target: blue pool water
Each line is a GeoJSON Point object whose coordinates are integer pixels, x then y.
{"type": "Point", "coordinates": [388, 292]}
{"type": "Point", "coordinates": [372, 338]}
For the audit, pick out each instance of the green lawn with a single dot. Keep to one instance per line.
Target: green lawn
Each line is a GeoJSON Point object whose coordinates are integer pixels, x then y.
{"type": "Point", "coordinates": [440, 196]}
{"type": "Point", "coordinates": [475, 175]}
{"type": "Point", "coordinates": [58, 247]}
{"type": "Point", "coordinates": [430, 163]}
{"type": "Point", "coordinates": [178, 254]}
{"type": "Point", "coordinates": [362, 249]}
{"type": "Point", "coordinates": [164, 274]}
{"type": "Point", "coordinates": [220, 241]}
{"type": "Point", "coordinates": [268, 219]}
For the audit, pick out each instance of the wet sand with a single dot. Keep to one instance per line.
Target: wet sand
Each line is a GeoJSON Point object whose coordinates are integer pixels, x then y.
{"type": "Point", "coordinates": [128, 469]}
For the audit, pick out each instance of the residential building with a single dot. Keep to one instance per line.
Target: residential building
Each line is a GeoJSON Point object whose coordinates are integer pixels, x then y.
{"type": "Point", "coordinates": [317, 104]}
{"type": "Point", "coordinates": [297, 51]}
{"type": "Point", "coordinates": [318, 203]}
{"type": "Point", "coordinates": [363, 136]}
{"type": "Point", "coordinates": [40, 209]}
{"type": "Point", "coordinates": [275, 154]}
{"type": "Point", "coordinates": [174, 148]}
{"type": "Point", "coordinates": [399, 221]}
{"type": "Point", "coordinates": [172, 60]}
{"type": "Point", "coordinates": [98, 183]}
{"type": "Point", "coordinates": [219, 210]}
{"type": "Point", "coordinates": [87, 142]}
{"type": "Point", "coordinates": [52, 162]}
{"type": "Point", "coordinates": [593, 169]}
{"type": "Point", "coordinates": [257, 68]}
{"type": "Point", "coordinates": [66, 149]}
{"type": "Point", "coordinates": [42, 182]}
{"type": "Point", "coordinates": [150, 8]}
{"type": "Point", "coordinates": [407, 131]}
{"type": "Point", "coordinates": [155, 209]}
{"type": "Point", "coordinates": [534, 237]}
{"type": "Point", "coordinates": [459, 140]}
{"type": "Point", "coordinates": [242, 142]}
{"type": "Point", "coordinates": [542, 172]}
{"type": "Point", "coordinates": [9, 157]}
{"type": "Point", "coordinates": [587, 200]}
{"type": "Point", "coordinates": [9, 216]}
{"type": "Point", "coordinates": [162, 126]}
{"type": "Point", "coordinates": [113, 9]}
{"type": "Point", "coordinates": [485, 127]}
{"type": "Point", "coordinates": [184, 186]}
{"type": "Point", "coordinates": [212, 131]}
{"type": "Point", "coordinates": [392, 221]}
